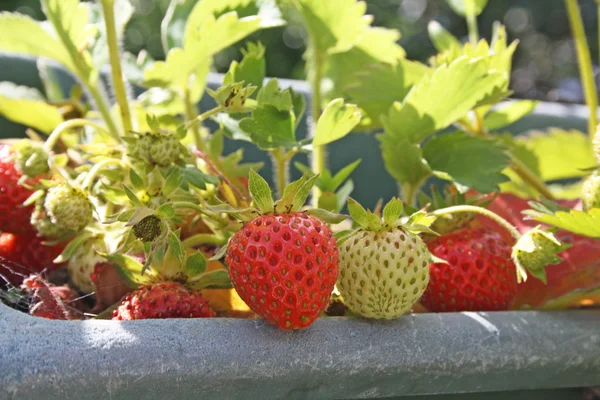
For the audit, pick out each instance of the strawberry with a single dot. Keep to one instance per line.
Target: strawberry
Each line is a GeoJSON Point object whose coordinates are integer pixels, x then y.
{"type": "Point", "coordinates": [163, 300]}
{"type": "Point", "coordinates": [68, 207]}
{"type": "Point", "coordinates": [384, 263]}
{"type": "Point", "coordinates": [479, 275]}
{"type": "Point", "coordinates": [21, 255]}
{"type": "Point", "coordinates": [283, 263]}
{"type": "Point", "coordinates": [591, 191]}
{"type": "Point", "coordinates": [14, 217]}
{"type": "Point", "coordinates": [158, 147]}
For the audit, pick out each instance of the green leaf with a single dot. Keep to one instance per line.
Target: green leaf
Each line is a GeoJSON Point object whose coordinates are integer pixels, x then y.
{"type": "Point", "coordinates": [218, 279]}
{"type": "Point", "coordinates": [136, 180]}
{"type": "Point", "coordinates": [130, 270]}
{"type": "Point", "coordinates": [70, 21]}
{"type": "Point", "coordinates": [220, 253]}
{"type": "Point", "coordinates": [50, 80]}
{"type": "Point", "coordinates": [441, 98]}
{"type": "Point", "coordinates": [34, 113]}
{"type": "Point", "coordinates": [298, 105]}
{"type": "Point", "coordinates": [334, 25]}
{"type": "Point", "coordinates": [303, 192]}
{"type": "Point", "coordinates": [289, 192]}
{"type": "Point", "coordinates": [341, 176]}
{"type": "Point", "coordinates": [173, 181]}
{"type": "Point", "coordinates": [392, 211]}
{"type": "Point", "coordinates": [441, 38]}
{"type": "Point", "coordinates": [166, 211]}
{"type": "Point", "coordinates": [132, 197]}
{"type": "Point", "coordinates": [343, 193]}
{"type": "Point", "coordinates": [23, 35]}
{"type": "Point", "coordinates": [270, 128]}
{"type": "Point", "coordinates": [561, 154]}
{"type": "Point", "coordinates": [175, 246]}
{"type": "Point", "coordinates": [253, 68]}
{"type": "Point", "coordinates": [403, 160]}
{"type": "Point", "coordinates": [467, 7]}
{"type": "Point", "coordinates": [260, 192]}
{"type": "Point", "coordinates": [376, 86]}
{"type": "Point", "coordinates": [337, 120]}
{"type": "Point", "coordinates": [473, 162]}
{"type": "Point", "coordinates": [327, 216]}
{"type": "Point", "coordinates": [195, 265]}
{"type": "Point", "coordinates": [580, 222]}
{"type": "Point", "coordinates": [509, 114]}
{"type": "Point", "coordinates": [72, 247]}
{"type": "Point", "coordinates": [192, 175]}
{"type": "Point", "coordinates": [273, 96]}
{"type": "Point", "coordinates": [358, 213]}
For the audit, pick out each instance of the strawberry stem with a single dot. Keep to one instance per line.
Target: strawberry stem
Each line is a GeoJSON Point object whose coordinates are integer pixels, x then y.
{"type": "Point", "coordinates": [115, 64]}
{"type": "Point", "coordinates": [479, 210]}
{"type": "Point", "coordinates": [89, 178]}
{"type": "Point", "coordinates": [472, 27]}
{"type": "Point", "coordinates": [318, 161]}
{"type": "Point", "coordinates": [204, 238]}
{"type": "Point", "coordinates": [585, 63]}
{"type": "Point", "coordinates": [70, 124]}
{"type": "Point", "coordinates": [203, 116]}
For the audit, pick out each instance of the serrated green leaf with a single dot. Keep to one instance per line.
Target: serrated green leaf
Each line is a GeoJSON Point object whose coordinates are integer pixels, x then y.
{"type": "Point", "coordinates": [403, 160]}
{"type": "Point", "coordinates": [253, 68]}
{"type": "Point", "coordinates": [260, 192]}
{"type": "Point", "coordinates": [576, 221]}
{"type": "Point", "coordinates": [47, 117]}
{"type": "Point", "coordinates": [337, 120]}
{"type": "Point", "coordinates": [327, 216]}
{"type": "Point", "coordinates": [441, 38]}
{"type": "Point", "coordinates": [175, 246]}
{"type": "Point", "coordinates": [218, 279]}
{"type": "Point", "coordinates": [509, 114]}
{"type": "Point", "coordinates": [130, 270]}
{"type": "Point", "coordinates": [23, 35]}
{"type": "Point", "coordinates": [289, 192]}
{"type": "Point", "coordinates": [270, 128]}
{"type": "Point", "coordinates": [358, 213]}
{"type": "Point", "coordinates": [561, 154]}
{"type": "Point", "coordinates": [392, 211]}
{"type": "Point", "coordinates": [376, 86]}
{"type": "Point", "coordinates": [334, 25]}
{"type": "Point", "coordinates": [272, 95]}
{"type": "Point", "coordinates": [441, 98]}
{"type": "Point", "coordinates": [467, 7]}
{"type": "Point", "coordinates": [195, 265]}
{"type": "Point", "coordinates": [471, 161]}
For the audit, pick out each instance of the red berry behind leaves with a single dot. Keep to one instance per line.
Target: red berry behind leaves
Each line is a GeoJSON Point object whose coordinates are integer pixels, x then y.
{"type": "Point", "coordinates": [22, 255]}
{"type": "Point", "coordinates": [479, 276]}
{"type": "Point", "coordinates": [13, 216]}
{"type": "Point", "coordinates": [163, 300]}
{"type": "Point", "coordinates": [284, 267]}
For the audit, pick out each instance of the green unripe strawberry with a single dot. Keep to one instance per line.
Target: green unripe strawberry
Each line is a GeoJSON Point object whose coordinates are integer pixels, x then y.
{"type": "Point", "coordinates": [68, 207]}
{"type": "Point", "coordinates": [45, 227]}
{"type": "Point", "coordinates": [384, 265]}
{"type": "Point", "coordinates": [160, 147]}
{"type": "Point", "coordinates": [148, 229]}
{"type": "Point", "coordinates": [30, 157]}
{"type": "Point", "coordinates": [591, 191]}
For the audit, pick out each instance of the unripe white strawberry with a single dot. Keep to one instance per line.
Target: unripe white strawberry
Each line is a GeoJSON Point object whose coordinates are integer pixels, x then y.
{"type": "Point", "coordinates": [384, 265]}
{"type": "Point", "coordinates": [591, 191]}
{"type": "Point", "coordinates": [31, 157]}
{"type": "Point", "coordinates": [68, 207]}
{"type": "Point", "coordinates": [535, 250]}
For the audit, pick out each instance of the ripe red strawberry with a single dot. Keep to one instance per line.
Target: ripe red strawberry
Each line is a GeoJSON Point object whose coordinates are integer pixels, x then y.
{"type": "Point", "coordinates": [163, 300]}
{"type": "Point", "coordinates": [284, 267]}
{"type": "Point", "coordinates": [479, 276]}
{"type": "Point", "coordinates": [22, 255]}
{"type": "Point", "coordinates": [14, 217]}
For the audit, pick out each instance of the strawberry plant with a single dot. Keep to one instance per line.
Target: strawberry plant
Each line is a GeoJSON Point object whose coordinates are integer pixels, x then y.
{"type": "Point", "coordinates": [136, 200]}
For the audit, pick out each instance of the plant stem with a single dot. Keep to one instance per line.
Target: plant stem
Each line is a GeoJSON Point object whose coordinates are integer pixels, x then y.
{"type": "Point", "coordinates": [190, 117]}
{"type": "Point", "coordinates": [89, 179]}
{"type": "Point", "coordinates": [204, 238]}
{"type": "Point", "coordinates": [281, 164]}
{"type": "Point", "coordinates": [318, 161]}
{"type": "Point", "coordinates": [479, 210]}
{"type": "Point", "coordinates": [585, 63]}
{"type": "Point", "coordinates": [108, 8]}
{"type": "Point", "coordinates": [204, 116]}
{"type": "Point", "coordinates": [70, 124]}
{"type": "Point", "coordinates": [472, 27]}
{"type": "Point", "coordinates": [409, 193]}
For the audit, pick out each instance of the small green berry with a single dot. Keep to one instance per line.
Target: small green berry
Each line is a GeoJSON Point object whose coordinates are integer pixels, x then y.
{"type": "Point", "coordinates": [68, 207]}
{"type": "Point", "coordinates": [148, 229]}
{"type": "Point", "coordinates": [535, 250]}
{"type": "Point", "coordinates": [30, 157]}
{"type": "Point", "coordinates": [591, 191]}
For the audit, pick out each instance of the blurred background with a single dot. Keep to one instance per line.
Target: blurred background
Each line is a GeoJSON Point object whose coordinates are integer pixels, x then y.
{"type": "Point", "coordinates": [544, 65]}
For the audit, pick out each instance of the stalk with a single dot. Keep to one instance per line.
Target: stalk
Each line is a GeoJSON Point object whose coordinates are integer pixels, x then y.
{"type": "Point", "coordinates": [585, 63]}
{"type": "Point", "coordinates": [281, 165]}
{"type": "Point", "coordinates": [70, 124]}
{"type": "Point", "coordinates": [479, 210]}
{"type": "Point", "coordinates": [190, 116]}
{"type": "Point", "coordinates": [115, 64]}
{"type": "Point", "coordinates": [89, 179]}
{"type": "Point", "coordinates": [203, 116]}
{"type": "Point", "coordinates": [318, 161]}
{"type": "Point", "coordinates": [472, 27]}
{"type": "Point", "coordinates": [204, 238]}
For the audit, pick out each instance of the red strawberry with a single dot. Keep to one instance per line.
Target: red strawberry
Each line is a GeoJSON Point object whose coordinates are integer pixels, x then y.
{"type": "Point", "coordinates": [22, 255]}
{"type": "Point", "coordinates": [13, 216]}
{"type": "Point", "coordinates": [284, 267]}
{"type": "Point", "coordinates": [163, 300]}
{"type": "Point", "coordinates": [479, 276]}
